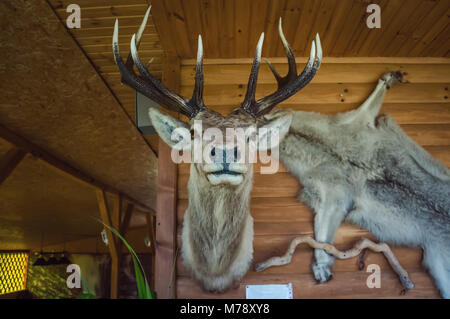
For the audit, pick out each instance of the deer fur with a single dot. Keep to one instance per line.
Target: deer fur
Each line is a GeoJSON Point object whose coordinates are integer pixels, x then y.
{"type": "Point", "coordinates": [362, 168]}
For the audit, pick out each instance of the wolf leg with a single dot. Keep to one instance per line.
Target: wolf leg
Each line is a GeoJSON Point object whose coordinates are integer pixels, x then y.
{"type": "Point", "coordinates": [367, 112]}
{"type": "Point", "coordinates": [437, 260]}
{"type": "Point", "coordinates": [326, 222]}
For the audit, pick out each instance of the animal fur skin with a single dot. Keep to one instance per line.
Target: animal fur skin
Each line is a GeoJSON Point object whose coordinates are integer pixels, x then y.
{"type": "Point", "coordinates": [217, 233]}
{"type": "Point", "coordinates": [362, 168]}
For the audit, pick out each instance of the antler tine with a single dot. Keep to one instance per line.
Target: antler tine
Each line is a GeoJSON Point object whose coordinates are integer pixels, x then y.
{"type": "Point", "coordinates": [197, 96]}
{"type": "Point", "coordinates": [291, 83]}
{"type": "Point", "coordinates": [146, 83]}
{"type": "Point", "coordinates": [292, 72]}
{"type": "Point", "coordinates": [249, 101]}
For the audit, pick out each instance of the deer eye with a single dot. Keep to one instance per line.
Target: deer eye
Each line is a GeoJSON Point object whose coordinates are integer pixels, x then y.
{"type": "Point", "coordinates": [213, 151]}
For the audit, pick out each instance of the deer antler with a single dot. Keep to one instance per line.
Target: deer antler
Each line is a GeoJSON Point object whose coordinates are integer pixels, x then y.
{"type": "Point", "coordinates": [151, 87]}
{"type": "Point", "coordinates": [288, 85]}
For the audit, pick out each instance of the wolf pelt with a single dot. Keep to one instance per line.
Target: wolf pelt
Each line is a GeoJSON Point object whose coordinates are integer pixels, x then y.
{"type": "Point", "coordinates": [360, 167]}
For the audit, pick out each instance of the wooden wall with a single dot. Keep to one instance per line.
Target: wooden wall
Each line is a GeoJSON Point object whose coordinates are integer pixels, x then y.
{"type": "Point", "coordinates": [421, 107]}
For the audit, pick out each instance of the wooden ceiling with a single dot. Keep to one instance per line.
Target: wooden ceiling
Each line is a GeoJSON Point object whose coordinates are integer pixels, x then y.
{"type": "Point", "coordinates": [231, 28]}
{"type": "Point", "coordinates": [53, 98]}
{"type": "Point", "coordinates": [95, 37]}
{"type": "Point", "coordinates": [36, 201]}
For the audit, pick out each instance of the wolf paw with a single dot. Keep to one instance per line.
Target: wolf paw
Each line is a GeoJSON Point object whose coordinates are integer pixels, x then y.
{"type": "Point", "coordinates": [391, 78]}
{"type": "Point", "coordinates": [322, 272]}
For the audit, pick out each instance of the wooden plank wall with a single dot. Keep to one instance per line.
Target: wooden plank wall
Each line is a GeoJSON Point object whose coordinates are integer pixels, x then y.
{"type": "Point", "coordinates": [421, 107]}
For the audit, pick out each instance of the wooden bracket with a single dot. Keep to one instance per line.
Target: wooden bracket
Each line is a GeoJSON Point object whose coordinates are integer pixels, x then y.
{"type": "Point", "coordinates": [103, 207]}
{"type": "Point", "coordinates": [9, 161]}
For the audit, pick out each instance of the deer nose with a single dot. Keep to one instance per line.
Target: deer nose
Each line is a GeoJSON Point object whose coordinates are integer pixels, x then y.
{"type": "Point", "coordinates": [224, 156]}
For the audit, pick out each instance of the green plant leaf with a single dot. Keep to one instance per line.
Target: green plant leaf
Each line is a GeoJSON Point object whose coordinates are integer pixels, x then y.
{"type": "Point", "coordinates": [143, 287]}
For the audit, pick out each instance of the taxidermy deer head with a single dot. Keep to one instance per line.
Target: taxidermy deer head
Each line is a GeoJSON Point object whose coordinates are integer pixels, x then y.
{"type": "Point", "coordinates": [217, 236]}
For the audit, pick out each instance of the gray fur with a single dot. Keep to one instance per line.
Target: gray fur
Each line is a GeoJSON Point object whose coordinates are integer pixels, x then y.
{"type": "Point", "coordinates": [362, 168]}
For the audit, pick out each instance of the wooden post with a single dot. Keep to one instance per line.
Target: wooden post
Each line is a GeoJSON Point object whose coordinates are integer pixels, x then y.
{"type": "Point", "coordinates": [151, 236]}
{"type": "Point", "coordinates": [103, 207]}
{"type": "Point", "coordinates": [9, 161]}
{"type": "Point", "coordinates": [166, 200]}
{"type": "Point", "coordinates": [115, 263]}
{"type": "Point", "coordinates": [126, 219]}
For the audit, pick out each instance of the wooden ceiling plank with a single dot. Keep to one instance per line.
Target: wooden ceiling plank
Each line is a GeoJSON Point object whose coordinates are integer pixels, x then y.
{"type": "Point", "coordinates": [362, 34]}
{"type": "Point", "coordinates": [354, 21]}
{"type": "Point", "coordinates": [406, 31]}
{"type": "Point", "coordinates": [258, 13]}
{"type": "Point", "coordinates": [437, 27]}
{"type": "Point", "coordinates": [303, 27]}
{"type": "Point", "coordinates": [165, 27]}
{"type": "Point", "coordinates": [209, 14]}
{"type": "Point", "coordinates": [274, 12]}
{"type": "Point", "coordinates": [108, 22]}
{"type": "Point", "coordinates": [194, 26]}
{"type": "Point", "coordinates": [422, 28]}
{"type": "Point", "coordinates": [62, 4]}
{"type": "Point", "coordinates": [108, 62]}
{"type": "Point", "coordinates": [242, 27]}
{"type": "Point", "coordinates": [185, 41]}
{"type": "Point", "coordinates": [311, 34]}
{"type": "Point", "coordinates": [85, 32]}
{"type": "Point", "coordinates": [113, 10]}
{"type": "Point", "coordinates": [226, 31]}
{"type": "Point", "coordinates": [335, 26]}
{"type": "Point", "coordinates": [9, 162]}
{"type": "Point", "coordinates": [389, 13]}
{"type": "Point", "coordinates": [361, 30]}
{"type": "Point", "coordinates": [393, 32]}
{"type": "Point", "coordinates": [291, 14]}
{"type": "Point", "coordinates": [323, 20]}
{"type": "Point", "coordinates": [439, 45]}
{"type": "Point", "coordinates": [124, 39]}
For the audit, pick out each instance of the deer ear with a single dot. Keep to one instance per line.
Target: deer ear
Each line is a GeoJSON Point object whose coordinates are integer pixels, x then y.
{"type": "Point", "coordinates": [272, 132]}
{"type": "Point", "coordinates": [173, 132]}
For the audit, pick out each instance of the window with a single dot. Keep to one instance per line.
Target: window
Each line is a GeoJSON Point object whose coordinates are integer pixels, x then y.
{"type": "Point", "coordinates": [13, 271]}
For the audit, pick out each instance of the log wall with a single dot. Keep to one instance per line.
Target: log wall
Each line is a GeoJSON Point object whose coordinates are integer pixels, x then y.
{"type": "Point", "coordinates": [420, 106]}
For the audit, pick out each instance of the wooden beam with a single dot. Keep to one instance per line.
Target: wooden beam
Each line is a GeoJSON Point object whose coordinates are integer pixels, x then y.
{"type": "Point", "coordinates": [344, 60]}
{"type": "Point", "coordinates": [9, 161]}
{"type": "Point", "coordinates": [151, 231]}
{"type": "Point", "coordinates": [126, 219]}
{"type": "Point", "coordinates": [151, 236]}
{"type": "Point", "coordinates": [106, 218]}
{"type": "Point", "coordinates": [166, 200]}
{"type": "Point", "coordinates": [61, 166]}
{"type": "Point", "coordinates": [115, 266]}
